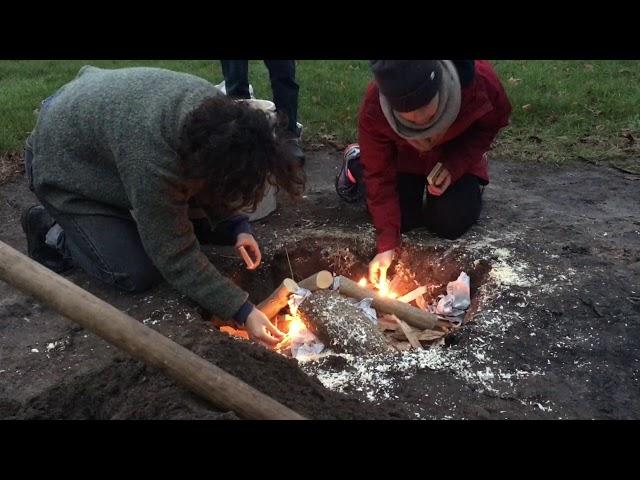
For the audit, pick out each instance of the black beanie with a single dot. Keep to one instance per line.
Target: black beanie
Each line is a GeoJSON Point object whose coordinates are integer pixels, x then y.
{"type": "Point", "coordinates": [407, 84]}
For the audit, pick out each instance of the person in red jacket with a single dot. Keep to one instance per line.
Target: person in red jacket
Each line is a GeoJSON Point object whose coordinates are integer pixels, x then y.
{"type": "Point", "coordinates": [420, 119]}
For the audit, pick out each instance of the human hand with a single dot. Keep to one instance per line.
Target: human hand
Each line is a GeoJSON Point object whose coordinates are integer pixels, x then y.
{"type": "Point", "coordinates": [440, 182]}
{"type": "Point", "coordinates": [246, 241]}
{"type": "Point", "coordinates": [260, 328]}
{"type": "Point", "coordinates": [379, 265]}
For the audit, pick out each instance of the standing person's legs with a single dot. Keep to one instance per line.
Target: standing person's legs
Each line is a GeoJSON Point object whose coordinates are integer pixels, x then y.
{"type": "Point", "coordinates": [454, 212]}
{"type": "Point", "coordinates": [236, 78]}
{"type": "Point", "coordinates": [282, 74]}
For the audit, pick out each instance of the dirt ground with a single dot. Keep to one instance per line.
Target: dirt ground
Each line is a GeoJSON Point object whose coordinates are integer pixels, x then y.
{"type": "Point", "coordinates": [553, 331]}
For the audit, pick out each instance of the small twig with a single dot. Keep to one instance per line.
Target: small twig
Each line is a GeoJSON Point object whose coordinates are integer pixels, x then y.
{"type": "Point", "coordinates": [289, 262]}
{"type": "Point", "coordinates": [624, 170]}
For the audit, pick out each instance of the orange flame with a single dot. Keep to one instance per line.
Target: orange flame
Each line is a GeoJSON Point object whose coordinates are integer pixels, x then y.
{"type": "Point", "coordinates": [381, 287]}
{"type": "Point", "coordinates": [385, 291]}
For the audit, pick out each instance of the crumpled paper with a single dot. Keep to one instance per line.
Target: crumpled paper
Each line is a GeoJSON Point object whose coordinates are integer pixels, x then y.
{"type": "Point", "coordinates": [305, 344]}
{"type": "Point", "coordinates": [296, 298]}
{"type": "Point", "coordinates": [456, 301]}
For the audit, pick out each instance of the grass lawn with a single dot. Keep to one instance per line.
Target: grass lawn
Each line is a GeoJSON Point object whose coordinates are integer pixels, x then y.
{"type": "Point", "coordinates": [563, 110]}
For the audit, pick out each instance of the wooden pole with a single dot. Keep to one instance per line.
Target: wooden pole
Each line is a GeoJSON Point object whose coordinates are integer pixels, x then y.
{"type": "Point", "coordinates": [410, 314]}
{"type": "Point", "coordinates": [145, 344]}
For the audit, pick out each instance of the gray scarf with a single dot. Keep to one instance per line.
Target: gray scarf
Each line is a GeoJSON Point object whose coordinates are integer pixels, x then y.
{"type": "Point", "coordinates": [425, 137]}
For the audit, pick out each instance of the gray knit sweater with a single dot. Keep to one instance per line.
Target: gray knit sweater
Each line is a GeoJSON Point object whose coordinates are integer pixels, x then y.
{"type": "Point", "coordinates": [106, 143]}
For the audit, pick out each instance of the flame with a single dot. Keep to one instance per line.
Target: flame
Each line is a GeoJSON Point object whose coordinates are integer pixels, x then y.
{"type": "Point", "coordinates": [385, 291]}
{"type": "Point", "coordinates": [295, 325]}
{"type": "Point", "coordinates": [381, 287]}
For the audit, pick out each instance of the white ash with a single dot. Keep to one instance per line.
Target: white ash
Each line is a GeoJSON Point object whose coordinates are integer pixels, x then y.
{"type": "Point", "coordinates": [377, 377]}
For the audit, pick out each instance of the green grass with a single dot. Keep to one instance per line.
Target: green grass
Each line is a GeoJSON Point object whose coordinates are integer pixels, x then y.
{"type": "Point", "coordinates": [562, 110]}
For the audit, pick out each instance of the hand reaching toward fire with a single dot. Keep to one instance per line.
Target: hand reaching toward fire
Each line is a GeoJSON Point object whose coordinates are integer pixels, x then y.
{"type": "Point", "coordinates": [246, 241]}
{"type": "Point", "coordinates": [379, 265]}
{"type": "Point", "coordinates": [261, 329]}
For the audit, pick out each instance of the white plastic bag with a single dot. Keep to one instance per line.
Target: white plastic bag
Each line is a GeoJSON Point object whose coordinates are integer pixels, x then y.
{"type": "Point", "coordinates": [457, 299]}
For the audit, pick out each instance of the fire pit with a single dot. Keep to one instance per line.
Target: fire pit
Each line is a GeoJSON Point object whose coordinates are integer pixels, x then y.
{"type": "Point", "coordinates": [346, 314]}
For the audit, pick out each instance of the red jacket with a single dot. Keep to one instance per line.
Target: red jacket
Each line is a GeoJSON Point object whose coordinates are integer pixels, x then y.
{"type": "Point", "coordinates": [484, 110]}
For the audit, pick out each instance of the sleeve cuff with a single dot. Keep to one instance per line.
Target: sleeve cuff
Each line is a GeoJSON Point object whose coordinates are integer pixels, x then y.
{"type": "Point", "coordinates": [240, 225]}
{"type": "Point", "coordinates": [241, 315]}
{"type": "Point", "coordinates": [385, 243]}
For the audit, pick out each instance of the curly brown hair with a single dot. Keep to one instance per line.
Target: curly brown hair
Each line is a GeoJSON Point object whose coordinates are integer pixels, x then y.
{"type": "Point", "coordinates": [234, 149]}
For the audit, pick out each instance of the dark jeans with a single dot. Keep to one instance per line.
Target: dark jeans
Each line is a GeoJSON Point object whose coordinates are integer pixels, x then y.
{"type": "Point", "coordinates": [106, 247]}
{"type": "Point", "coordinates": [282, 74]}
{"type": "Point", "coordinates": [449, 215]}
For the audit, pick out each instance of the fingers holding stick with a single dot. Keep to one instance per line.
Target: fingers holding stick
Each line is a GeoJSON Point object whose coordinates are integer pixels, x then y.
{"type": "Point", "coordinates": [247, 259]}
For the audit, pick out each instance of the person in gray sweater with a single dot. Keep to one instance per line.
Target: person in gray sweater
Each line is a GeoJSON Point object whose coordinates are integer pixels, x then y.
{"type": "Point", "coordinates": [121, 159]}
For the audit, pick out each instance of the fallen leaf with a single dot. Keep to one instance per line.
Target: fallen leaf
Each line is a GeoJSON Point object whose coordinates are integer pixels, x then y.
{"type": "Point", "coordinates": [411, 336]}
{"type": "Point", "coordinates": [429, 335]}
{"type": "Point", "coordinates": [526, 107]}
{"type": "Point", "coordinates": [387, 324]}
{"type": "Point", "coordinates": [514, 81]}
{"type": "Point", "coordinates": [588, 67]}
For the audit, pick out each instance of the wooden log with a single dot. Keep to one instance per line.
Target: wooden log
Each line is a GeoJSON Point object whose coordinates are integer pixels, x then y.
{"type": "Point", "coordinates": [410, 314]}
{"type": "Point", "coordinates": [318, 281]}
{"type": "Point", "coordinates": [278, 299]}
{"type": "Point", "coordinates": [141, 342]}
{"type": "Point", "coordinates": [413, 294]}
{"type": "Point", "coordinates": [340, 325]}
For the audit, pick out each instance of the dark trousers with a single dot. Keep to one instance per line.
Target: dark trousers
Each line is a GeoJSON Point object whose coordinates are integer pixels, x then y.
{"type": "Point", "coordinates": [108, 248]}
{"type": "Point", "coordinates": [282, 74]}
{"type": "Point", "coordinates": [449, 215]}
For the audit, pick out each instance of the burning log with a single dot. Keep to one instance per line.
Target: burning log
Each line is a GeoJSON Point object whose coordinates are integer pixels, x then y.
{"type": "Point", "coordinates": [340, 325]}
{"type": "Point", "coordinates": [318, 281]}
{"type": "Point", "coordinates": [279, 299]}
{"type": "Point", "coordinates": [410, 314]}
